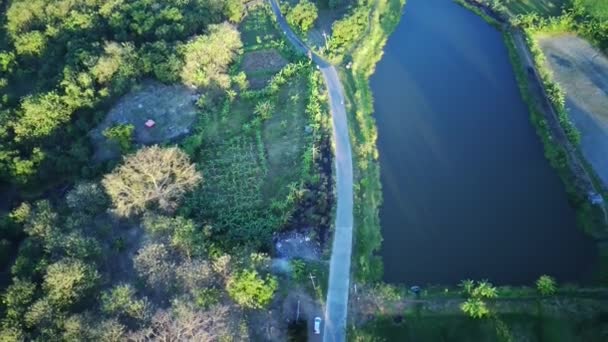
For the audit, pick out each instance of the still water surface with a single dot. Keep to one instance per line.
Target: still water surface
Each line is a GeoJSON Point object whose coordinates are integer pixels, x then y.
{"type": "Point", "coordinates": [467, 190]}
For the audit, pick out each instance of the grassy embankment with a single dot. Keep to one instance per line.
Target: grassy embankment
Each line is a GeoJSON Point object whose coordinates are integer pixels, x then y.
{"type": "Point", "coordinates": [365, 52]}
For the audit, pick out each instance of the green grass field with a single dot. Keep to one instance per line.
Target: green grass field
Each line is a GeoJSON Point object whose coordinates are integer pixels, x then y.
{"type": "Point", "coordinates": [598, 8]}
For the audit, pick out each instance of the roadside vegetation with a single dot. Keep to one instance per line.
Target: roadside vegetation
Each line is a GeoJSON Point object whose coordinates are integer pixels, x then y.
{"type": "Point", "coordinates": [357, 42]}
{"type": "Point", "coordinates": [480, 311]}
{"type": "Point", "coordinates": [169, 239]}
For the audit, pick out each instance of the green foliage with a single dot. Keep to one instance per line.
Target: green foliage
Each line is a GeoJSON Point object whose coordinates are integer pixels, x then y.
{"type": "Point", "coordinates": [206, 58]}
{"type": "Point", "coordinates": [250, 290]}
{"type": "Point", "coordinates": [467, 286]}
{"type": "Point", "coordinates": [88, 198]}
{"type": "Point", "coordinates": [206, 298]}
{"type": "Point", "coordinates": [264, 109]}
{"type": "Point", "coordinates": [18, 296]}
{"type": "Point", "coordinates": [303, 15]}
{"type": "Point", "coordinates": [183, 234]}
{"type": "Point", "coordinates": [42, 222]}
{"type": "Point", "coordinates": [346, 31]}
{"type": "Point", "coordinates": [475, 308]}
{"type": "Point", "coordinates": [69, 281]}
{"type": "Point", "coordinates": [152, 264]}
{"type": "Point", "coordinates": [121, 300]}
{"type": "Point", "coordinates": [235, 9]}
{"type": "Point", "coordinates": [484, 290]}
{"type": "Point", "coordinates": [40, 116]}
{"type": "Point", "coordinates": [546, 285]}
{"type": "Point", "coordinates": [121, 134]}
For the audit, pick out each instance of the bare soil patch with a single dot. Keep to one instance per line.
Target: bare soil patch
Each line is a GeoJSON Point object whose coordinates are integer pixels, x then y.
{"type": "Point", "coordinates": [291, 245]}
{"type": "Point", "coordinates": [259, 66]}
{"type": "Point", "coordinates": [582, 71]}
{"type": "Point", "coordinates": [172, 107]}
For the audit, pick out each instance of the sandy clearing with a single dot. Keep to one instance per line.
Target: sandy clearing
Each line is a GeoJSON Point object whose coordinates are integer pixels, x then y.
{"type": "Point", "coordinates": [583, 74]}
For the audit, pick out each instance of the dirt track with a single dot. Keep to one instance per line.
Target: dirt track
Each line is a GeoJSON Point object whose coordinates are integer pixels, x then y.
{"type": "Point", "coordinates": [583, 74]}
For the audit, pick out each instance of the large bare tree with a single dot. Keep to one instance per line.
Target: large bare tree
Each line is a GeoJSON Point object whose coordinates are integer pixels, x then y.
{"type": "Point", "coordinates": [185, 323]}
{"type": "Point", "coordinates": [152, 176]}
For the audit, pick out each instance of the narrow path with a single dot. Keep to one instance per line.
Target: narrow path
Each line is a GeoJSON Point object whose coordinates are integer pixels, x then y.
{"type": "Point", "coordinates": [334, 329]}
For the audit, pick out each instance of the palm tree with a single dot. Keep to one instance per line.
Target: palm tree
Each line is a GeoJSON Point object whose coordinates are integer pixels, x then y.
{"type": "Point", "coordinates": [475, 308]}
{"type": "Point", "coordinates": [546, 285]}
{"type": "Point", "coordinates": [467, 286]}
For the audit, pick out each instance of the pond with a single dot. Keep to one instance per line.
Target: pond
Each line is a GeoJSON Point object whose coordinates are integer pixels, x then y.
{"type": "Point", "coordinates": [467, 190]}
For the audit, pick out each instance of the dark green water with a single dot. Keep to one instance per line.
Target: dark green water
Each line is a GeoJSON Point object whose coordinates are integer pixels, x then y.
{"type": "Point", "coordinates": [467, 190]}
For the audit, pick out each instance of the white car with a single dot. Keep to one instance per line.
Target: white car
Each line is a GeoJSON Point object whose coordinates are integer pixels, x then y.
{"type": "Point", "coordinates": [317, 325]}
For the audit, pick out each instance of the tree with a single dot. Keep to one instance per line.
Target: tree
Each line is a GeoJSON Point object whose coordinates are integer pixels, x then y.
{"type": "Point", "coordinates": [31, 43]}
{"type": "Point", "coordinates": [68, 281]}
{"type": "Point", "coordinates": [183, 233]}
{"type": "Point", "coordinates": [303, 15]}
{"type": "Point", "coordinates": [467, 286]}
{"type": "Point", "coordinates": [153, 265]}
{"type": "Point", "coordinates": [42, 223]}
{"type": "Point", "coordinates": [41, 315]}
{"type": "Point", "coordinates": [184, 323]}
{"type": "Point", "coordinates": [347, 30]}
{"type": "Point", "coordinates": [16, 300]}
{"type": "Point", "coordinates": [76, 245]}
{"type": "Point", "coordinates": [40, 116]}
{"type": "Point", "coordinates": [152, 176]}
{"type": "Point", "coordinates": [109, 331]}
{"type": "Point", "coordinates": [250, 290]}
{"type": "Point", "coordinates": [484, 289]}
{"type": "Point", "coordinates": [475, 308]}
{"type": "Point", "coordinates": [121, 300]}
{"type": "Point", "coordinates": [194, 275]}
{"type": "Point", "coordinates": [207, 57]}
{"type": "Point", "coordinates": [88, 198]}
{"type": "Point", "coordinates": [234, 10]}
{"type": "Point", "coordinates": [121, 134]}
{"type": "Point", "coordinates": [546, 285]}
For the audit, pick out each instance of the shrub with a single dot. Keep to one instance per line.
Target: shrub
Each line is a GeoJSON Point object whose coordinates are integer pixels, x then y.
{"type": "Point", "coordinates": [475, 308]}
{"type": "Point", "coordinates": [546, 285]}
{"type": "Point", "coordinates": [121, 134]}
{"type": "Point", "coordinates": [303, 15]}
{"type": "Point", "coordinates": [250, 290]}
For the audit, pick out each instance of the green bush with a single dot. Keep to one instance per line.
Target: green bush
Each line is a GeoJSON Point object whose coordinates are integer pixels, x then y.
{"type": "Point", "coordinates": [250, 290]}
{"type": "Point", "coordinates": [121, 134]}
{"type": "Point", "coordinates": [546, 285]}
{"type": "Point", "coordinates": [303, 15]}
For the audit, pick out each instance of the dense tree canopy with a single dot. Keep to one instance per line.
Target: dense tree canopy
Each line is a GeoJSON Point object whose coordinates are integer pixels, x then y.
{"type": "Point", "coordinates": [303, 15]}
{"type": "Point", "coordinates": [65, 58]}
{"type": "Point", "coordinates": [207, 57]}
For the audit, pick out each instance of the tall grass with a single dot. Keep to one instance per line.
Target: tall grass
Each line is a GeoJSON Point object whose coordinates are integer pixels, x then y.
{"type": "Point", "coordinates": [364, 53]}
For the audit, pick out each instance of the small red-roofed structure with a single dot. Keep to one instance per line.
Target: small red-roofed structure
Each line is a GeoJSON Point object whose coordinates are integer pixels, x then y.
{"type": "Point", "coordinates": [150, 123]}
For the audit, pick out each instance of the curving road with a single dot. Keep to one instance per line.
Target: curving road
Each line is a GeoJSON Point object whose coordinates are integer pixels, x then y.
{"type": "Point", "coordinates": [334, 329]}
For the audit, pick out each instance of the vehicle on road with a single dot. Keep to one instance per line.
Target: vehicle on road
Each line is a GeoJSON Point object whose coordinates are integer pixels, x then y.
{"type": "Point", "coordinates": [317, 327]}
